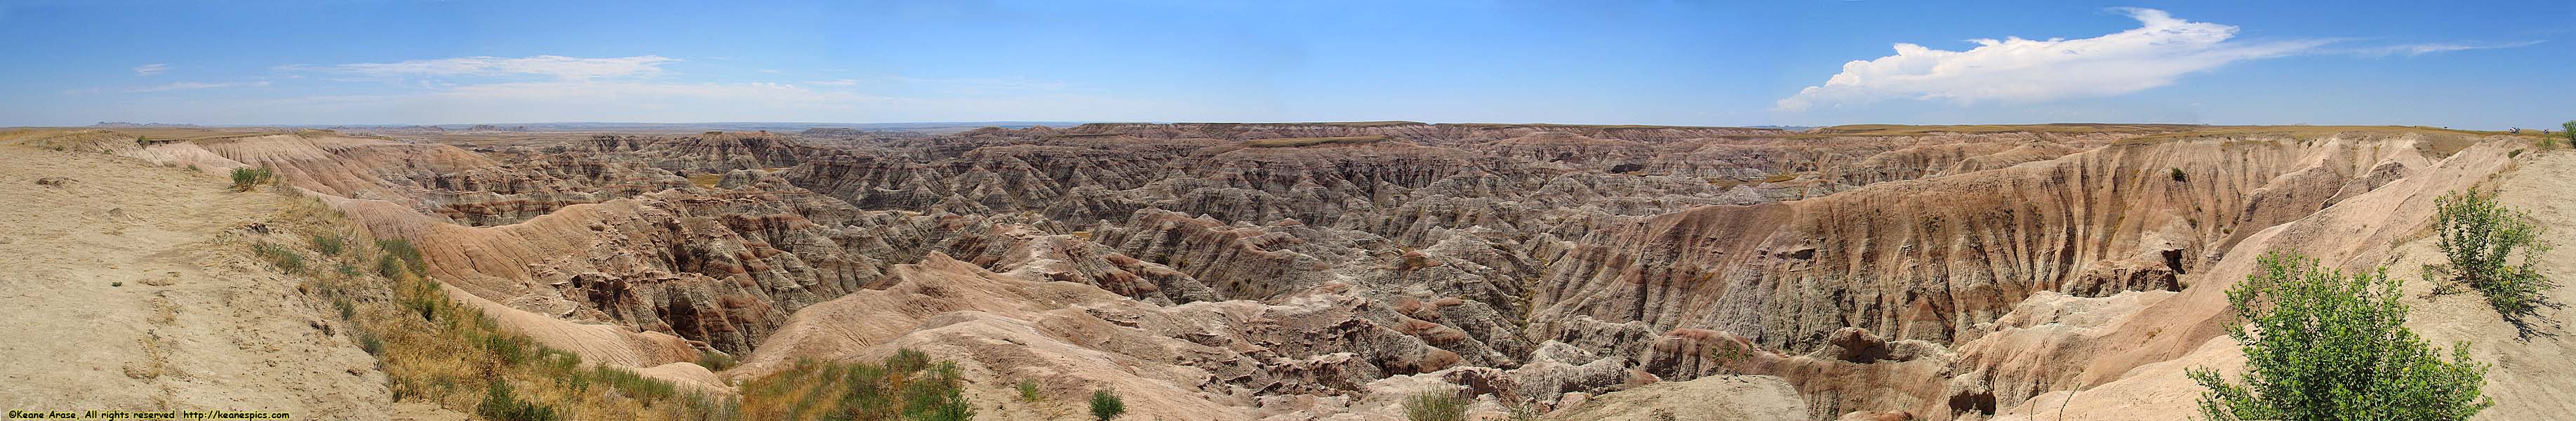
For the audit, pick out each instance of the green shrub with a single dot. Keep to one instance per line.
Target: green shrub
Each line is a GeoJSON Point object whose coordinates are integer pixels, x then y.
{"type": "Point", "coordinates": [2177, 175]}
{"type": "Point", "coordinates": [935, 396]}
{"type": "Point", "coordinates": [246, 178]}
{"type": "Point", "coordinates": [511, 350]}
{"type": "Point", "coordinates": [907, 360]}
{"type": "Point", "coordinates": [2568, 132]}
{"type": "Point", "coordinates": [1105, 405]}
{"type": "Point", "coordinates": [1029, 391]}
{"type": "Point", "coordinates": [2480, 237]}
{"type": "Point", "coordinates": [403, 251]}
{"type": "Point", "coordinates": [499, 404]}
{"type": "Point", "coordinates": [559, 362]}
{"type": "Point", "coordinates": [284, 259]}
{"type": "Point", "coordinates": [2325, 346]}
{"type": "Point", "coordinates": [329, 244]}
{"type": "Point", "coordinates": [1435, 406]}
{"type": "Point", "coordinates": [371, 343]}
{"type": "Point", "coordinates": [388, 266]}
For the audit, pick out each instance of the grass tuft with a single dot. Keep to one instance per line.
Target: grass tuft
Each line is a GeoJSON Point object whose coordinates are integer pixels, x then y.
{"type": "Point", "coordinates": [285, 260]}
{"type": "Point", "coordinates": [329, 244]}
{"type": "Point", "coordinates": [246, 178]}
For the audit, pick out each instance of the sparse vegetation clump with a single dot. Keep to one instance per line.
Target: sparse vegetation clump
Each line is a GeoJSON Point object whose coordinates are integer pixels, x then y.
{"type": "Point", "coordinates": [715, 361]}
{"type": "Point", "coordinates": [905, 387]}
{"type": "Point", "coordinates": [284, 259]}
{"type": "Point", "coordinates": [2481, 238]}
{"type": "Point", "coordinates": [2178, 175]}
{"type": "Point", "coordinates": [1029, 391]}
{"type": "Point", "coordinates": [246, 178]}
{"type": "Point", "coordinates": [1435, 406]}
{"type": "Point", "coordinates": [500, 404]}
{"type": "Point", "coordinates": [329, 244]}
{"type": "Point", "coordinates": [1105, 405]}
{"type": "Point", "coordinates": [397, 256]}
{"type": "Point", "coordinates": [2321, 345]}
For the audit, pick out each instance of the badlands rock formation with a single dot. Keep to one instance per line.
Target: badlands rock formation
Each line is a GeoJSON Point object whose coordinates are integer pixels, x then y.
{"type": "Point", "coordinates": [1311, 271]}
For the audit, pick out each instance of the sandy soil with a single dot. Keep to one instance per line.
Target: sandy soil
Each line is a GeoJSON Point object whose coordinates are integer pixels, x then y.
{"type": "Point", "coordinates": [129, 290]}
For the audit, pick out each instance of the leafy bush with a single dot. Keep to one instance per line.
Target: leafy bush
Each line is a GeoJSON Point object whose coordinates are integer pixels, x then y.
{"type": "Point", "coordinates": [1435, 406]}
{"type": "Point", "coordinates": [246, 178]}
{"type": "Point", "coordinates": [2480, 237]}
{"type": "Point", "coordinates": [499, 404]}
{"type": "Point", "coordinates": [1105, 405]}
{"type": "Point", "coordinates": [2326, 346]}
{"type": "Point", "coordinates": [285, 260]}
{"type": "Point", "coordinates": [2568, 132]}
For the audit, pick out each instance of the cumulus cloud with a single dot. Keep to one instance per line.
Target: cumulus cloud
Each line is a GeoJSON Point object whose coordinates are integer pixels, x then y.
{"type": "Point", "coordinates": [2013, 69]}
{"type": "Point", "coordinates": [2411, 50]}
{"type": "Point", "coordinates": [184, 86]}
{"type": "Point", "coordinates": [560, 67]}
{"type": "Point", "coordinates": [151, 69]}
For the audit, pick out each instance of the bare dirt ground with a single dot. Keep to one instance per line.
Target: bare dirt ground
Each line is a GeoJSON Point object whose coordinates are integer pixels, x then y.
{"type": "Point", "coordinates": [129, 288]}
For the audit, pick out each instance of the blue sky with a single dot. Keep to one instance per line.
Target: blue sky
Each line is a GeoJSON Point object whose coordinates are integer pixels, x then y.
{"type": "Point", "coordinates": [2470, 65]}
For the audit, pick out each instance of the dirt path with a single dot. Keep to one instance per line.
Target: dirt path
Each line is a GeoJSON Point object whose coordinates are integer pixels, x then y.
{"type": "Point", "coordinates": [128, 288]}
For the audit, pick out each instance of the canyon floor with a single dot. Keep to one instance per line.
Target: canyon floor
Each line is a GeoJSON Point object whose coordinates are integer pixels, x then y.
{"type": "Point", "coordinates": [1271, 271]}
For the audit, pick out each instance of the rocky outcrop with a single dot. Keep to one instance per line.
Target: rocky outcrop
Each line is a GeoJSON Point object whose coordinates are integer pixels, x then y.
{"type": "Point", "coordinates": [1878, 272]}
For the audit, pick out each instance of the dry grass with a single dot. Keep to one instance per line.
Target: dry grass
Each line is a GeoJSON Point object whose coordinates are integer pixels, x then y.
{"type": "Point", "coordinates": [443, 352]}
{"type": "Point", "coordinates": [907, 386]}
{"type": "Point", "coordinates": [1292, 142]}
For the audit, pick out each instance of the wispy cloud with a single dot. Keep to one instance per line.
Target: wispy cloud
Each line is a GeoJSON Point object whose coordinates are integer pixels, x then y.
{"type": "Point", "coordinates": [184, 86]}
{"type": "Point", "coordinates": [2160, 50]}
{"type": "Point", "coordinates": [151, 69]}
{"type": "Point", "coordinates": [977, 85]}
{"type": "Point", "coordinates": [2411, 50]}
{"type": "Point", "coordinates": [836, 82]}
{"type": "Point", "coordinates": [560, 67]}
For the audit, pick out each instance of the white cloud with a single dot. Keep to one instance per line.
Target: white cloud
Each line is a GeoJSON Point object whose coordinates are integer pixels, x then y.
{"type": "Point", "coordinates": [836, 82]}
{"type": "Point", "coordinates": [151, 69]}
{"type": "Point", "coordinates": [974, 86]}
{"type": "Point", "coordinates": [2023, 70]}
{"type": "Point", "coordinates": [568, 68]}
{"type": "Point", "coordinates": [183, 86]}
{"type": "Point", "coordinates": [2411, 50]}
